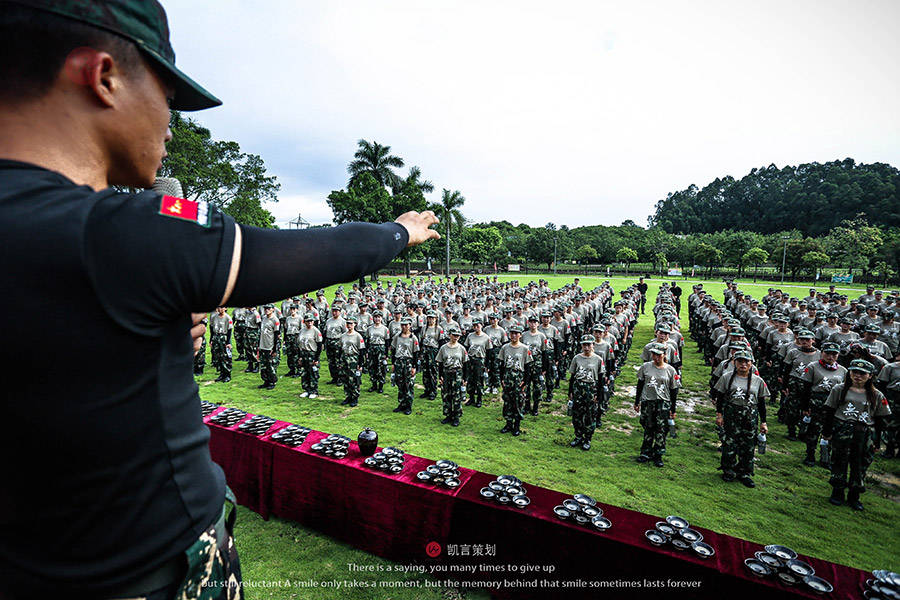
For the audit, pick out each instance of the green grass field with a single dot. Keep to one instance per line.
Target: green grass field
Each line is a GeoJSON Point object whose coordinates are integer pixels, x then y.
{"type": "Point", "coordinates": [788, 506]}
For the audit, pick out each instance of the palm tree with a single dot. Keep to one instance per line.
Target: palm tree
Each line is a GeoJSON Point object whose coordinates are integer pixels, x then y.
{"type": "Point", "coordinates": [375, 159]}
{"type": "Point", "coordinates": [414, 178]}
{"type": "Point", "coordinates": [449, 213]}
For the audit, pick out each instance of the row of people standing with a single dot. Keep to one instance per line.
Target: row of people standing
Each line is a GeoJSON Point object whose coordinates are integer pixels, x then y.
{"type": "Point", "coordinates": [821, 375]}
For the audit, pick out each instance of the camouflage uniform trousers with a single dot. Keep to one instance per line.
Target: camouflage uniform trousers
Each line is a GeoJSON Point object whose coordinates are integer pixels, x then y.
{"type": "Point", "coordinates": [493, 367]}
{"type": "Point", "coordinates": [534, 387]}
{"type": "Point", "coordinates": [550, 381]}
{"type": "Point", "coordinates": [352, 377]}
{"type": "Point", "coordinates": [221, 355]}
{"type": "Point", "coordinates": [583, 409]}
{"type": "Point", "coordinates": [513, 395]}
{"type": "Point", "coordinates": [772, 381]}
{"type": "Point", "coordinates": [791, 403]}
{"type": "Point", "coordinates": [200, 357]}
{"type": "Point", "coordinates": [377, 365]}
{"type": "Point", "coordinates": [892, 430]}
{"type": "Point", "coordinates": [405, 381]}
{"type": "Point", "coordinates": [333, 353]}
{"type": "Point", "coordinates": [654, 418]}
{"type": "Point", "coordinates": [213, 569]}
{"type": "Point", "coordinates": [252, 344]}
{"type": "Point", "coordinates": [851, 446]}
{"type": "Point", "coordinates": [817, 420]}
{"type": "Point", "coordinates": [292, 350]}
{"type": "Point", "coordinates": [240, 336]}
{"type": "Point", "coordinates": [309, 372]}
{"type": "Point", "coordinates": [740, 424]}
{"type": "Point", "coordinates": [452, 393]}
{"type": "Point", "coordinates": [268, 366]}
{"type": "Point", "coordinates": [430, 371]}
{"type": "Point", "coordinates": [475, 379]}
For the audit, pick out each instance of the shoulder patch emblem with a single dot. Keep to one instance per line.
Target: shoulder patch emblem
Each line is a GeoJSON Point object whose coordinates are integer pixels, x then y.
{"type": "Point", "coordinates": [187, 210]}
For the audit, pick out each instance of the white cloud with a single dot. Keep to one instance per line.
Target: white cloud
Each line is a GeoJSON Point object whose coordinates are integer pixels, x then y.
{"type": "Point", "coordinates": [574, 112]}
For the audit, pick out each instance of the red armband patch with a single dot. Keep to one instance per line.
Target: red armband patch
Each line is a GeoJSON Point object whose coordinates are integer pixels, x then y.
{"type": "Point", "coordinates": [187, 210]}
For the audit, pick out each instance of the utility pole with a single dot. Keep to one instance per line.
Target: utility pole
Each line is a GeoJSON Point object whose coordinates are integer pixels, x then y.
{"type": "Point", "coordinates": [784, 256]}
{"type": "Point", "coordinates": [554, 253]}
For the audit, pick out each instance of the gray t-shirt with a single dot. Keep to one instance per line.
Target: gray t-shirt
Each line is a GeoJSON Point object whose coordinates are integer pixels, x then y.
{"type": "Point", "coordinates": [335, 328]}
{"type": "Point", "coordinates": [536, 341]}
{"type": "Point", "coordinates": [220, 324]}
{"type": "Point", "coordinates": [658, 382]}
{"type": "Point", "coordinates": [268, 332]}
{"type": "Point", "coordinates": [586, 368]}
{"type": "Point", "coordinates": [515, 357]}
{"type": "Point", "coordinates": [310, 338]}
{"type": "Point", "coordinates": [738, 392]}
{"type": "Point", "coordinates": [292, 325]}
{"type": "Point", "coordinates": [822, 379]}
{"type": "Point", "coordinates": [855, 407]}
{"type": "Point", "coordinates": [497, 334]}
{"type": "Point", "coordinates": [452, 357]}
{"type": "Point", "coordinates": [352, 343]}
{"type": "Point", "coordinates": [890, 374]}
{"type": "Point", "coordinates": [405, 347]}
{"type": "Point", "coordinates": [378, 335]}
{"type": "Point", "coordinates": [478, 345]}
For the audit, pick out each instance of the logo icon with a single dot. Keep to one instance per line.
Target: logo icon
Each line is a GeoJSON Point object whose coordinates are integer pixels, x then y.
{"type": "Point", "coordinates": [433, 549]}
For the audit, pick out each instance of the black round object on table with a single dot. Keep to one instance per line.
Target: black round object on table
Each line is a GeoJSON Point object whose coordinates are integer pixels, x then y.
{"type": "Point", "coordinates": [368, 441]}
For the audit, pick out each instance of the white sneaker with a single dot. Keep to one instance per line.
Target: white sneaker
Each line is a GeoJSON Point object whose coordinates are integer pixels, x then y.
{"type": "Point", "coordinates": [313, 396]}
{"type": "Point", "coordinates": [304, 394]}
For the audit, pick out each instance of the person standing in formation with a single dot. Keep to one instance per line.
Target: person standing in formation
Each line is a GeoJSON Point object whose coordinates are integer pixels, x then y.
{"type": "Point", "coordinates": [268, 348]}
{"type": "Point", "coordinates": [377, 338]}
{"type": "Point", "coordinates": [432, 338]}
{"type": "Point", "coordinates": [293, 323]}
{"type": "Point", "coordinates": [335, 327]}
{"type": "Point", "coordinates": [404, 353]}
{"type": "Point", "coordinates": [451, 359]}
{"type": "Point", "coordinates": [351, 347]}
{"type": "Point", "coordinates": [585, 391]}
{"type": "Point", "coordinates": [514, 359]}
{"type": "Point", "coordinates": [220, 326]}
{"type": "Point", "coordinates": [309, 348]}
{"type": "Point", "coordinates": [478, 344]}
{"type": "Point", "coordinates": [254, 321]}
{"type": "Point", "coordinates": [655, 400]}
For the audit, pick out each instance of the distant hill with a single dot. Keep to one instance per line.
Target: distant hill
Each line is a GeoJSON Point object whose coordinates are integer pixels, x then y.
{"type": "Point", "coordinates": [812, 197]}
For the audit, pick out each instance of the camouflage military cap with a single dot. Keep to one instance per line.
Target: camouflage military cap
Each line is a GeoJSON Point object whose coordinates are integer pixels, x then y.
{"type": "Point", "coordinates": [295, 307]}
{"type": "Point", "coordinates": [266, 306]}
{"type": "Point", "coordinates": [320, 293]}
{"type": "Point", "coordinates": [805, 334]}
{"type": "Point", "coordinates": [830, 347]}
{"type": "Point", "coordinates": [656, 348]}
{"type": "Point", "coordinates": [587, 339]}
{"type": "Point", "coordinates": [737, 331]}
{"type": "Point", "coordinates": [859, 364]}
{"type": "Point", "coordinates": [743, 355]}
{"type": "Point", "coordinates": [142, 22]}
{"type": "Point", "coordinates": [309, 317]}
{"type": "Point", "coordinates": [872, 328]}
{"type": "Point", "coordinates": [831, 315]}
{"type": "Point", "coordinates": [431, 313]}
{"type": "Point", "coordinates": [515, 329]}
{"type": "Point", "coordinates": [737, 346]}
{"type": "Point", "coordinates": [351, 319]}
{"type": "Point", "coordinates": [781, 319]}
{"type": "Point", "coordinates": [606, 322]}
{"type": "Point", "coordinates": [598, 327]}
{"type": "Point", "coordinates": [453, 330]}
{"type": "Point", "coordinates": [847, 320]}
{"type": "Point", "coordinates": [406, 321]}
{"type": "Point", "coordinates": [532, 317]}
{"type": "Point", "coordinates": [663, 328]}
{"type": "Point", "coordinates": [477, 321]}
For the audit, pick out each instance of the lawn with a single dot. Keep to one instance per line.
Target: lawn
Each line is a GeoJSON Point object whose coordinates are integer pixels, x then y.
{"type": "Point", "coordinates": [788, 506]}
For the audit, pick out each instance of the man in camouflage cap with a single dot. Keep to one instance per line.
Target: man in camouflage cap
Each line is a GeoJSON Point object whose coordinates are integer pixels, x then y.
{"type": "Point", "coordinates": [585, 391]}
{"type": "Point", "coordinates": [514, 358]}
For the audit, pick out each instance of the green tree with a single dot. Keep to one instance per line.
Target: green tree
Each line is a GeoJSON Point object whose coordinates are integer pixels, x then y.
{"type": "Point", "coordinates": [409, 194]}
{"type": "Point", "coordinates": [708, 255]}
{"type": "Point", "coordinates": [755, 257]}
{"type": "Point", "coordinates": [626, 255]}
{"type": "Point", "coordinates": [364, 200]}
{"type": "Point", "coordinates": [539, 245]}
{"type": "Point", "coordinates": [884, 271]}
{"type": "Point", "coordinates": [450, 214]}
{"type": "Point", "coordinates": [854, 242]}
{"type": "Point", "coordinates": [815, 260]}
{"type": "Point", "coordinates": [585, 254]}
{"type": "Point", "coordinates": [219, 173]}
{"type": "Point", "coordinates": [377, 160]}
{"type": "Point", "coordinates": [659, 260]}
{"type": "Point", "coordinates": [479, 243]}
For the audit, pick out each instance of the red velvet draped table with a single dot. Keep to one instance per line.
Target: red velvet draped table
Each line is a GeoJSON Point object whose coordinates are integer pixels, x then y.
{"type": "Point", "coordinates": [396, 516]}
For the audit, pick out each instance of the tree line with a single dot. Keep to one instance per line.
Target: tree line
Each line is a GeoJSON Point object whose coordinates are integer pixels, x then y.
{"type": "Point", "coordinates": [860, 234]}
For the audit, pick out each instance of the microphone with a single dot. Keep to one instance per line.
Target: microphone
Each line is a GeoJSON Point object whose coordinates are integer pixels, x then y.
{"type": "Point", "coordinates": [168, 186]}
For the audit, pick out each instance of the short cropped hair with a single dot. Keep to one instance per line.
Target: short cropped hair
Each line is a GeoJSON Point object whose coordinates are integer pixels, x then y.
{"type": "Point", "coordinates": [34, 45]}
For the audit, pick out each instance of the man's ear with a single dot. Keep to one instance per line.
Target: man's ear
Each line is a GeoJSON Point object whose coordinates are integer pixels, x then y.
{"type": "Point", "coordinates": [95, 71]}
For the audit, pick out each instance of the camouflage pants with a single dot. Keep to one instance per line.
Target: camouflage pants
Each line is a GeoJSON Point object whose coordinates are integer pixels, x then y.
{"type": "Point", "coordinates": [377, 365]}
{"type": "Point", "coordinates": [513, 395]}
{"type": "Point", "coordinates": [200, 357]}
{"type": "Point", "coordinates": [550, 381]}
{"type": "Point", "coordinates": [852, 447]}
{"type": "Point", "coordinates": [791, 403]}
{"type": "Point", "coordinates": [817, 419]}
{"type": "Point", "coordinates": [333, 353]}
{"type": "Point", "coordinates": [292, 350]}
{"type": "Point", "coordinates": [221, 355]}
{"type": "Point", "coordinates": [772, 381]}
{"type": "Point", "coordinates": [493, 368]}
{"type": "Point", "coordinates": [583, 409]}
{"type": "Point", "coordinates": [534, 387]}
{"type": "Point", "coordinates": [240, 335]}
{"type": "Point", "coordinates": [430, 371]}
{"type": "Point", "coordinates": [475, 377]}
{"type": "Point", "coordinates": [309, 372]}
{"type": "Point", "coordinates": [405, 381]}
{"type": "Point", "coordinates": [252, 346]}
{"type": "Point", "coordinates": [268, 366]}
{"type": "Point", "coordinates": [892, 431]}
{"type": "Point", "coordinates": [451, 393]}
{"type": "Point", "coordinates": [352, 376]}
{"type": "Point", "coordinates": [739, 442]}
{"type": "Point", "coordinates": [654, 417]}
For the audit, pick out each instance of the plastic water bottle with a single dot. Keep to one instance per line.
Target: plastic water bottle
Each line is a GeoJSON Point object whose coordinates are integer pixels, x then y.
{"type": "Point", "coordinates": [569, 408]}
{"type": "Point", "coordinates": [761, 443]}
{"type": "Point", "coordinates": [394, 379]}
{"type": "Point", "coordinates": [825, 451]}
{"type": "Point", "coordinates": [672, 432]}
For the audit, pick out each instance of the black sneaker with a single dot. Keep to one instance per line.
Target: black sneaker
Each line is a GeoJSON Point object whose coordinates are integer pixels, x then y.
{"type": "Point", "coordinates": [345, 402]}
{"type": "Point", "coordinates": [728, 476]}
{"type": "Point", "coordinates": [658, 462]}
{"type": "Point", "coordinates": [408, 411]}
{"type": "Point", "coordinates": [226, 380]}
{"type": "Point", "coordinates": [261, 386]}
{"type": "Point", "coordinates": [576, 442]}
{"type": "Point", "coordinates": [643, 458]}
{"type": "Point", "coordinates": [455, 422]}
{"type": "Point", "coordinates": [506, 428]}
{"type": "Point", "coordinates": [446, 420]}
{"type": "Point", "coordinates": [586, 445]}
{"type": "Point", "coordinates": [748, 481]}
{"type": "Point", "coordinates": [398, 409]}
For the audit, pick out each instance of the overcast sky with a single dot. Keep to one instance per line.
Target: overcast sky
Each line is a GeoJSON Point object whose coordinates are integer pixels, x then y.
{"type": "Point", "coordinates": [573, 112]}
